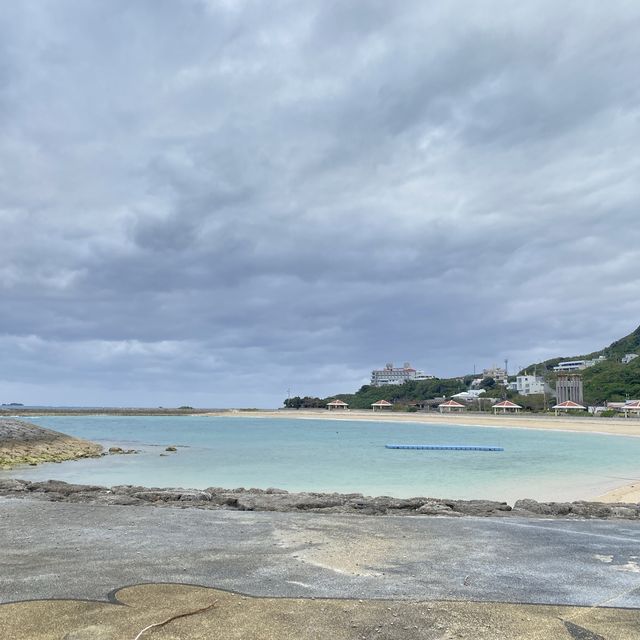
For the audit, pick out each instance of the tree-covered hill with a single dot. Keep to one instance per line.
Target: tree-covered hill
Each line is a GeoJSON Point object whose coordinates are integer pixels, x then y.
{"type": "Point", "coordinates": [399, 394]}
{"type": "Point", "coordinates": [608, 381]}
{"type": "Point", "coordinates": [407, 393]}
{"type": "Point", "coordinates": [615, 351]}
{"type": "Point", "coordinates": [612, 381]}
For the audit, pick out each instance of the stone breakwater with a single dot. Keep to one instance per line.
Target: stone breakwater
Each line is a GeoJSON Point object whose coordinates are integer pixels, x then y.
{"type": "Point", "coordinates": [25, 443]}
{"type": "Point", "coordinates": [280, 500]}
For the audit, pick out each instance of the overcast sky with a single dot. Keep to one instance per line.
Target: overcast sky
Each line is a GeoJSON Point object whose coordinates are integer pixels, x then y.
{"type": "Point", "coordinates": [210, 202]}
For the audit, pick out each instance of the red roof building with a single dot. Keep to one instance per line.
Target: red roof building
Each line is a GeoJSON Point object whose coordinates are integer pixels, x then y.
{"type": "Point", "coordinates": [381, 404]}
{"type": "Point", "coordinates": [568, 405]}
{"type": "Point", "coordinates": [506, 406]}
{"type": "Point", "coordinates": [337, 404]}
{"type": "Point", "coordinates": [450, 406]}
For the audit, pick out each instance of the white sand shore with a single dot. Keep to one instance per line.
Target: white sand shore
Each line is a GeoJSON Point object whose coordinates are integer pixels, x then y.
{"type": "Point", "coordinates": [580, 424]}
{"type": "Point", "coordinates": [626, 493]}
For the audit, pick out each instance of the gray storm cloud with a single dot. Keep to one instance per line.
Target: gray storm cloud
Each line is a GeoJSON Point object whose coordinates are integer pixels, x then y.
{"type": "Point", "coordinates": [211, 202]}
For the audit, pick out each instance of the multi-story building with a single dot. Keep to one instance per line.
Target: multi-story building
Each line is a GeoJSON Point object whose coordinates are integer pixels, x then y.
{"type": "Point", "coordinates": [569, 387]}
{"type": "Point", "coordinates": [497, 373]}
{"type": "Point", "coordinates": [571, 365]}
{"type": "Point", "coordinates": [397, 375]}
{"type": "Point", "coordinates": [577, 365]}
{"type": "Point", "coordinates": [529, 385]}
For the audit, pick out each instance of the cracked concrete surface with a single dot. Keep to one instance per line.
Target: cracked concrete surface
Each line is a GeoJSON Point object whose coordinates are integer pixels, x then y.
{"type": "Point", "coordinates": [225, 616]}
{"type": "Point", "coordinates": [312, 575]}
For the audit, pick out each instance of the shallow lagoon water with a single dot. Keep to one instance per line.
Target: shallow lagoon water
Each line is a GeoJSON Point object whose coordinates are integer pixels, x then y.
{"type": "Point", "coordinates": [341, 456]}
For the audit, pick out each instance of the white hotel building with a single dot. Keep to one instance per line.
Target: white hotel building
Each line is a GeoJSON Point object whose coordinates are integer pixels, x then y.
{"type": "Point", "coordinates": [397, 375]}
{"type": "Point", "coordinates": [578, 365]}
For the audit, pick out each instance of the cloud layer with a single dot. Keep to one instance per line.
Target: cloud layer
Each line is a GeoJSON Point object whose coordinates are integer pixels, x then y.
{"type": "Point", "coordinates": [212, 202]}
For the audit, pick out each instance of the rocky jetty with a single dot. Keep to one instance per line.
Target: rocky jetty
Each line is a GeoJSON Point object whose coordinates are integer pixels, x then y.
{"type": "Point", "coordinates": [280, 500]}
{"type": "Point", "coordinates": [25, 443]}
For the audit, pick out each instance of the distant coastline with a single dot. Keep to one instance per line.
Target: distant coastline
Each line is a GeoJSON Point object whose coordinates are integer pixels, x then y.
{"type": "Point", "coordinates": [26, 411]}
{"type": "Point", "coordinates": [579, 423]}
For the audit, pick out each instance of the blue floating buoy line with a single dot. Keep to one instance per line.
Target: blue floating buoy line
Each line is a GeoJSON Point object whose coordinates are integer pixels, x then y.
{"type": "Point", "coordinates": [443, 447]}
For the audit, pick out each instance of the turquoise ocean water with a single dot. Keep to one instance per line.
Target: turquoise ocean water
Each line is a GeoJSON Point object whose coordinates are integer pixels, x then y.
{"type": "Point", "coordinates": [326, 455]}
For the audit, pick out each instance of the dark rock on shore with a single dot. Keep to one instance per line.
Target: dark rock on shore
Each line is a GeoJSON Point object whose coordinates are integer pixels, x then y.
{"type": "Point", "coordinates": [120, 451]}
{"type": "Point", "coordinates": [543, 508]}
{"type": "Point", "coordinates": [25, 443]}
{"type": "Point", "coordinates": [280, 500]}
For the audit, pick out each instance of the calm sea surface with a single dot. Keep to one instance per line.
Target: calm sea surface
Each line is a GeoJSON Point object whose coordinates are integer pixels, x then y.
{"type": "Point", "coordinates": [323, 455]}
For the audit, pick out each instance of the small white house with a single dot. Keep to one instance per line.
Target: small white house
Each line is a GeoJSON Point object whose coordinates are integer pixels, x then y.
{"type": "Point", "coordinates": [468, 396]}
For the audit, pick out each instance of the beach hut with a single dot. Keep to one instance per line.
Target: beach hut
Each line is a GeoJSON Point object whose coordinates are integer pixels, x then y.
{"type": "Point", "coordinates": [337, 404]}
{"type": "Point", "coordinates": [567, 406]}
{"type": "Point", "coordinates": [632, 407]}
{"type": "Point", "coordinates": [506, 406]}
{"type": "Point", "coordinates": [381, 404]}
{"type": "Point", "coordinates": [431, 403]}
{"type": "Point", "coordinates": [450, 406]}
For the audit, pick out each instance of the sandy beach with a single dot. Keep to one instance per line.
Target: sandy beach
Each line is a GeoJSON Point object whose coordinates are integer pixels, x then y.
{"type": "Point", "coordinates": [580, 424]}
{"type": "Point", "coordinates": [625, 493]}
{"type": "Point", "coordinates": [630, 427]}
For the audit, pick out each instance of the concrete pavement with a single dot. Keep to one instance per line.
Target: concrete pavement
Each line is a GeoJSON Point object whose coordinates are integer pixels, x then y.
{"type": "Point", "coordinates": [486, 576]}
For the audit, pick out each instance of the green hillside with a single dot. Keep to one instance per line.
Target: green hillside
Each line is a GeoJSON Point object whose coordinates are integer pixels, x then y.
{"type": "Point", "coordinates": [615, 351]}
{"type": "Point", "coordinates": [404, 394]}
{"type": "Point", "coordinates": [612, 381]}
{"type": "Point", "coordinates": [401, 395]}
{"type": "Point", "coordinates": [608, 381]}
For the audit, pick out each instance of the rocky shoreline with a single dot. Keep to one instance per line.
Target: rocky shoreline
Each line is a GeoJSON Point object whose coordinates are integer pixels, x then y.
{"type": "Point", "coordinates": [242, 499]}
{"type": "Point", "coordinates": [25, 443]}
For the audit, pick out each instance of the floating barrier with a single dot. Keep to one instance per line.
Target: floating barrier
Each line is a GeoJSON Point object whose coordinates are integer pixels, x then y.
{"type": "Point", "coordinates": [442, 447]}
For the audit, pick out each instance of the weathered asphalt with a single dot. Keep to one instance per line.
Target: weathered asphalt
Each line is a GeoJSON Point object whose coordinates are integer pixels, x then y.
{"type": "Point", "coordinates": [62, 550]}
